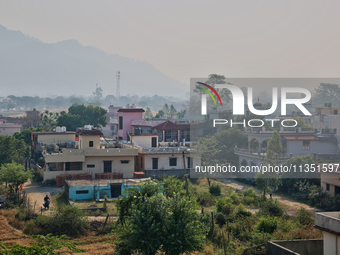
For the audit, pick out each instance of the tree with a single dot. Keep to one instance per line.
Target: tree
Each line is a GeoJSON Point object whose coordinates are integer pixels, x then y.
{"type": "Point", "coordinates": [169, 225]}
{"type": "Point", "coordinates": [49, 120]}
{"type": "Point", "coordinates": [80, 115]}
{"type": "Point", "coordinates": [135, 195]}
{"type": "Point", "coordinates": [173, 111]}
{"type": "Point", "coordinates": [12, 150]}
{"type": "Point", "coordinates": [219, 79]}
{"type": "Point", "coordinates": [14, 174]}
{"type": "Point", "coordinates": [328, 93]}
{"type": "Point", "coordinates": [148, 114]}
{"type": "Point", "coordinates": [274, 148]}
{"type": "Point", "coordinates": [166, 110]}
{"type": "Point", "coordinates": [98, 93]}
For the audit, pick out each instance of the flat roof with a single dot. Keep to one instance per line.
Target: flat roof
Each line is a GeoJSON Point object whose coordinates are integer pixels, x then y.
{"type": "Point", "coordinates": [103, 182]}
{"type": "Point", "coordinates": [300, 137]}
{"type": "Point", "coordinates": [54, 133]}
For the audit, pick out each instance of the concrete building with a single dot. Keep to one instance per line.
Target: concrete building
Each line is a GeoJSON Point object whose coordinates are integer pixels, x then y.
{"type": "Point", "coordinates": [329, 223]}
{"type": "Point", "coordinates": [125, 117]}
{"type": "Point", "coordinates": [296, 142]}
{"type": "Point", "coordinates": [90, 157]}
{"type": "Point", "coordinates": [98, 189]}
{"type": "Point", "coordinates": [156, 160]}
{"type": "Point", "coordinates": [111, 129]}
{"type": "Point", "coordinates": [330, 180]}
{"type": "Point", "coordinates": [9, 128]}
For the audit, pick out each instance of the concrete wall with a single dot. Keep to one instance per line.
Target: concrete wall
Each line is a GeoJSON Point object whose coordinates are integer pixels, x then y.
{"type": "Point", "coordinates": [127, 119]}
{"type": "Point", "coordinates": [9, 130]}
{"type": "Point", "coordinates": [164, 161]}
{"type": "Point", "coordinates": [160, 173]}
{"type": "Point", "coordinates": [296, 247]}
{"type": "Point", "coordinates": [144, 141]}
{"type": "Point", "coordinates": [117, 166]}
{"type": "Point", "coordinates": [85, 139]}
{"type": "Point", "coordinates": [56, 138]}
{"type": "Point", "coordinates": [296, 148]}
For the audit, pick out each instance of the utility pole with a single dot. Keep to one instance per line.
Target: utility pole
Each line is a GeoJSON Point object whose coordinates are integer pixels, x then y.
{"type": "Point", "coordinates": [118, 85]}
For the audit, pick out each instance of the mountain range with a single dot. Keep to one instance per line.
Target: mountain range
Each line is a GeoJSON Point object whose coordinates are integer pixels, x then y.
{"type": "Point", "coordinates": [29, 66]}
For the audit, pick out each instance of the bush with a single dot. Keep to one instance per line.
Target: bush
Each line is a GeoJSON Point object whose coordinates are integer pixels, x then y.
{"type": "Point", "coordinates": [66, 219]}
{"type": "Point", "coordinates": [236, 199]}
{"type": "Point", "coordinates": [224, 205]}
{"type": "Point", "coordinates": [242, 212]}
{"type": "Point", "coordinates": [220, 219]}
{"type": "Point", "coordinates": [271, 207]}
{"type": "Point", "coordinates": [3, 189]}
{"type": "Point", "coordinates": [250, 197]}
{"type": "Point", "coordinates": [215, 189]}
{"type": "Point", "coordinates": [267, 224]}
{"type": "Point", "coordinates": [106, 200]}
{"type": "Point", "coordinates": [305, 217]}
{"type": "Point", "coordinates": [206, 199]}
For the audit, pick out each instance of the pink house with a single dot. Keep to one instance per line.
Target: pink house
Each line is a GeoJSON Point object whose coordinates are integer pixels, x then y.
{"type": "Point", "coordinates": [126, 116]}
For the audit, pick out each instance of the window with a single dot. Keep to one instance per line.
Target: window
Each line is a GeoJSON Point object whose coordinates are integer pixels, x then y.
{"type": "Point", "coordinates": [107, 166]}
{"type": "Point", "coordinates": [82, 192]}
{"type": "Point", "coordinates": [136, 160]}
{"type": "Point", "coordinates": [73, 166]}
{"type": "Point", "coordinates": [154, 163]}
{"type": "Point", "coordinates": [124, 161]}
{"type": "Point", "coordinates": [154, 142]}
{"type": "Point", "coordinates": [120, 122]}
{"type": "Point", "coordinates": [190, 162]}
{"type": "Point", "coordinates": [173, 162]}
{"type": "Point", "coordinates": [306, 145]}
{"type": "Point", "coordinates": [90, 143]}
{"type": "Point", "coordinates": [335, 112]}
{"type": "Point", "coordinates": [90, 166]}
{"type": "Point", "coordinates": [141, 162]}
{"type": "Point", "coordinates": [327, 187]}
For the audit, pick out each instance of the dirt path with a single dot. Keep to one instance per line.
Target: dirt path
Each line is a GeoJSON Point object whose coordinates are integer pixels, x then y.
{"type": "Point", "coordinates": [293, 205]}
{"type": "Point", "coordinates": [36, 193]}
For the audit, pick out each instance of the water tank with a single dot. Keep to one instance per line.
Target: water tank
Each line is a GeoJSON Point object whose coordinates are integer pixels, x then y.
{"type": "Point", "coordinates": [58, 129]}
{"type": "Point", "coordinates": [128, 106]}
{"type": "Point", "coordinates": [63, 129]}
{"type": "Point", "coordinates": [87, 127]}
{"type": "Point", "coordinates": [137, 131]}
{"type": "Point", "coordinates": [133, 106]}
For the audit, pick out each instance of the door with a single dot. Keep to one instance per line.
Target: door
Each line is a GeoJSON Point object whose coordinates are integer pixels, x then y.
{"type": "Point", "coordinates": [154, 163]}
{"type": "Point", "coordinates": [116, 189]}
{"type": "Point", "coordinates": [107, 166]}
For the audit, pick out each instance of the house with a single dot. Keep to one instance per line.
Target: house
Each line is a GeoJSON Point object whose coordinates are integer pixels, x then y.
{"type": "Point", "coordinates": [98, 189]}
{"type": "Point", "coordinates": [330, 179]}
{"type": "Point", "coordinates": [295, 142]}
{"type": "Point", "coordinates": [125, 117]}
{"type": "Point", "coordinates": [169, 131]}
{"type": "Point", "coordinates": [89, 157]}
{"type": "Point", "coordinates": [8, 128]}
{"type": "Point", "coordinates": [52, 141]}
{"type": "Point", "coordinates": [156, 160]}
{"type": "Point", "coordinates": [111, 129]}
{"type": "Point", "coordinates": [329, 223]}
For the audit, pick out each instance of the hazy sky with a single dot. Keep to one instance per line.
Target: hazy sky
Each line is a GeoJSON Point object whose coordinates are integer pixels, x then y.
{"type": "Point", "coordinates": [184, 39]}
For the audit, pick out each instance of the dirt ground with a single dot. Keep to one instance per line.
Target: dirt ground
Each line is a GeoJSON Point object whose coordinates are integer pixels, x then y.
{"type": "Point", "coordinates": [36, 193]}
{"type": "Point", "coordinates": [292, 205]}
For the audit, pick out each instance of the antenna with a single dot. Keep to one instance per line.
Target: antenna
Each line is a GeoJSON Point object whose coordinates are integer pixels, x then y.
{"type": "Point", "coordinates": [118, 85]}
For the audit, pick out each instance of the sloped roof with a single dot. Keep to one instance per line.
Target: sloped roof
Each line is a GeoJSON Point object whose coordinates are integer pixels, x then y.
{"type": "Point", "coordinates": [168, 125]}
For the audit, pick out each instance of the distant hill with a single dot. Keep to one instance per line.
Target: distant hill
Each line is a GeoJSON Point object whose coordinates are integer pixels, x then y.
{"type": "Point", "coordinates": [30, 67]}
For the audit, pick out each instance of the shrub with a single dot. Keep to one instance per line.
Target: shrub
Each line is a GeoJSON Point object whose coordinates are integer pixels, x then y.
{"type": "Point", "coordinates": [236, 199]}
{"type": "Point", "coordinates": [224, 205]}
{"type": "Point", "coordinates": [267, 224]}
{"type": "Point", "coordinates": [206, 199]}
{"type": "Point", "coordinates": [215, 189]}
{"type": "Point", "coordinates": [304, 216]}
{"type": "Point", "coordinates": [66, 219]}
{"type": "Point", "coordinates": [250, 197]}
{"type": "Point", "coordinates": [220, 219]}
{"type": "Point", "coordinates": [271, 207]}
{"type": "Point", "coordinates": [242, 212]}
{"type": "Point", "coordinates": [106, 200]}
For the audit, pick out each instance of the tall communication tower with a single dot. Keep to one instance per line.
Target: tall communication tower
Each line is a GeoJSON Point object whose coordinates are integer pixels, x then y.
{"type": "Point", "coordinates": [118, 85]}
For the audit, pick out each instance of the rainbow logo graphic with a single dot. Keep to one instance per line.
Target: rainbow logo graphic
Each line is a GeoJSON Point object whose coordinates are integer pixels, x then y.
{"type": "Point", "coordinates": [209, 93]}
